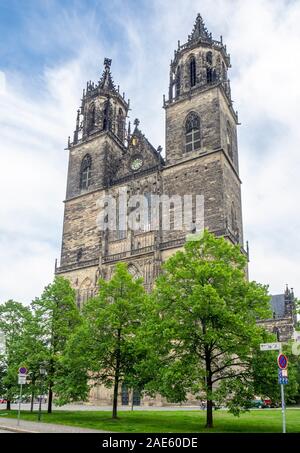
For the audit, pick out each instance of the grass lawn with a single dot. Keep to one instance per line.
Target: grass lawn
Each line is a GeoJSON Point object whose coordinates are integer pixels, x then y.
{"type": "Point", "coordinates": [255, 421]}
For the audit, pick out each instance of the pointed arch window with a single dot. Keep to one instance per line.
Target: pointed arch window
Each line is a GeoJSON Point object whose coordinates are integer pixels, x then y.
{"type": "Point", "coordinates": [91, 117]}
{"type": "Point", "coordinates": [192, 132]}
{"type": "Point", "coordinates": [209, 58]}
{"type": "Point", "coordinates": [192, 72]}
{"type": "Point", "coordinates": [120, 125]}
{"type": "Point", "coordinates": [85, 172]}
{"type": "Point", "coordinates": [177, 82]}
{"type": "Point", "coordinates": [211, 75]}
{"type": "Point", "coordinates": [107, 116]}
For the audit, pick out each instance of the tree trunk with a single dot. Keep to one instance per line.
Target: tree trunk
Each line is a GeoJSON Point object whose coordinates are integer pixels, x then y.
{"type": "Point", "coordinates": [32, 398]}
{"type": "Point", "coordinates": [209, 387]}
{"type": "Point", "coordinates": [51, 382]}
{"type": "Point", "coordinates": [8, 408]}
{"type": "Point", "coordinates": [209, 414]}
{"type": "Point", "coordinates": [117, 376]}
{"type": "Point", "coordinates": [50, 398]}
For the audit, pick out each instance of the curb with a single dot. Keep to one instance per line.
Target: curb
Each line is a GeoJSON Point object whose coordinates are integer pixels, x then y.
{"type": "Point", "coordinates": [16, 430]}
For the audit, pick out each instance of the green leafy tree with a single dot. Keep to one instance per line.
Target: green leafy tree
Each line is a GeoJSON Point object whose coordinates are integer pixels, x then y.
{"type": "Point", "coordinates": [35, 353]}
{"type": "Point", "coordinates": [56, 317]}
{"type": "Point", "coordinates": [13, 318]}
{"type": "Point", "coordinates": [265, 375]}
{"type": "Point", "coordinates": [205, 326]}
{"type": "Point", "coordinates": [105, 348]}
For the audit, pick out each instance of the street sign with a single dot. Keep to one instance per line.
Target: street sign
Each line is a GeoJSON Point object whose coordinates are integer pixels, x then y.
{"type": "Point", "coordinates": [282, 377]}
{"type": "Point", "coordinates": [270, 346]}
{"type": "Point", "coordinates": [21, 379]}
{"type": "Point", "coordinates": [282, 361]}
{"type": "Point", "coordinates": [23, 370]}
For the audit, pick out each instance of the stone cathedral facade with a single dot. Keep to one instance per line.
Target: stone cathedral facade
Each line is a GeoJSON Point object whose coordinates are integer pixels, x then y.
{"type": "Point", "coordinates": [106, 153]}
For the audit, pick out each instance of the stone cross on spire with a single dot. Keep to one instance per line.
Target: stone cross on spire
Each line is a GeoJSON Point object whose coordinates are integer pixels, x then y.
{"type": "Point", "coordinates": [107, 63]}
{"type": "Point", "coordinates": [136, 122]}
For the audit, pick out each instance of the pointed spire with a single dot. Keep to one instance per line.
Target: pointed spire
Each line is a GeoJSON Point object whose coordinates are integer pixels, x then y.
{"type": "Point", "coordinates": [106, 81]}
{"type": "Point", "coordinates": [199, 30]}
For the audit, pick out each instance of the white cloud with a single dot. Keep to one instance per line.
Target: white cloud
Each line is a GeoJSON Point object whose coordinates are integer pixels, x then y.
{"type": "Point", "coordinates": [263, 38]}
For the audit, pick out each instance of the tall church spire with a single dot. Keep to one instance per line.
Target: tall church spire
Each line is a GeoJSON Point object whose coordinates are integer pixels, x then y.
{"type": "Point", "coordinates": [199, 30]}
{"type": "Point", "coordinates": [106, 81]}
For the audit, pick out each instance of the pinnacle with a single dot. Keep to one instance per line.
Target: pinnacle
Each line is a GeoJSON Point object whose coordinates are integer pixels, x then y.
{"type": "Point", "coordinates": [199, 30]}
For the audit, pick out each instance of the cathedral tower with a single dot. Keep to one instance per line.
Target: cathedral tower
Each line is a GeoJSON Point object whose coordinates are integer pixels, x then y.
{"type": "Point", "coordinates": [201, 135]}
{"type": "Point", "coordinates": [105, 155]}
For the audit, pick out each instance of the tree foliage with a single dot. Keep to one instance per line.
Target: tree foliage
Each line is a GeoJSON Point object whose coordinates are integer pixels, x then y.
{"type": "Point", "coordinates": [104, 350]}
{"type": "Point", "coordinates": [206, 325]}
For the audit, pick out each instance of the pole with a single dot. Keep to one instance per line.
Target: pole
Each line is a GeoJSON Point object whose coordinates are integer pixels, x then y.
{"type": "Point", "coordinates": [283, 409]}
{"type": "Point", "coordinates": [19, 411]}
{"type": "Point", "coordinates": [40, 406]}
{"type": "Point", "coordinates": [282, 403]}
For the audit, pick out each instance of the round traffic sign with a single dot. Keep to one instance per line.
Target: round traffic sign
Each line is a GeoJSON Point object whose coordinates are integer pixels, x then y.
{"type": "Point", "coordinates": [23, 370]}
{"type": "Point", "coordinates": [282, 361]}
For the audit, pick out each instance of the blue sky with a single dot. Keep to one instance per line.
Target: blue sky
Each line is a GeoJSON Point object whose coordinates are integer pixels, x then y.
{"type": "Point", "coordinates": [50, 48]}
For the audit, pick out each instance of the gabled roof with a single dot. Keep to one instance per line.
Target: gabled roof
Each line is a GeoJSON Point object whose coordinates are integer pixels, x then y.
{"type": "Point", "coordinates": [141, 137]}
{"type": "Point", "coordinates": [278, 305]}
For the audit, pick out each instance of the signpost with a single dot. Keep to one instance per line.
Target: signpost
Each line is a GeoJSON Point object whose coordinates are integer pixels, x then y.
{"type": "Point", "coordinates": [282, 379]}
{"type": "Point", "coordinates": [270, 346]}
{"type": "Point", "coordinates": [21, 381]}
{"type": "Point", "coordinates": [282, 362]}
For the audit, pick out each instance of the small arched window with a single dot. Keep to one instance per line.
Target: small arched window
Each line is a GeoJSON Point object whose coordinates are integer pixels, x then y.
{"type": "Point", "coordinates": [85, 172]}
{"type": "Point", "coordinates": [192, 72]}
{"type": "Point", "coordinates": [91, 117]}
{"type": "Point", "coordinates": [192, 132]}
{"type": "Point", "coordinates": [229, 141]}
{"type": "Point", "coordinates": [209, 58]}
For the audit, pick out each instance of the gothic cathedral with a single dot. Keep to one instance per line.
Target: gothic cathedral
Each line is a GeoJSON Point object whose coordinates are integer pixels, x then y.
{"type": "Point", "coordinates": [106, 153]}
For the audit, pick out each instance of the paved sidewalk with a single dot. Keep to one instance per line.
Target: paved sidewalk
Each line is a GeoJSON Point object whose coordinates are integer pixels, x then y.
{"type": "Point", "coordinates": [10, 424]}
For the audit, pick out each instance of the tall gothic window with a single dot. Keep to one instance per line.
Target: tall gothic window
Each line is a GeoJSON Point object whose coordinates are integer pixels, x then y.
{"type": "Point", "coordinates": [229, 141]}
{"type": "Point", "coordinates": [91, 117]}
{"type": "Point", "coordinates": [193, 72]}
{"type": "Point", "coordinates": [209, 58]}
{"type": "Point", "coordinates": [85, 172]}
{"type": "Point", "coordinates": [177, 82]}
{"type": "Point", "coordinates": [107, 116]}
{"type": "Point", "coordinates": [120, 125]}
{"type": "Point", "coordinates": [192, 132]}
{"type": "Point", "coordinates": [210, 75]}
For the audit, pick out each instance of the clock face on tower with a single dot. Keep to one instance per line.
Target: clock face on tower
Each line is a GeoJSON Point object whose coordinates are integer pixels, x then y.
{"type": "Point", "coordinates": [136, 163]}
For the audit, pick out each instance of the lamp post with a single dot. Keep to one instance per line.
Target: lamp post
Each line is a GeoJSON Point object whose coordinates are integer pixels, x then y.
{"type": "Point", "coordinates": [42, 374]}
